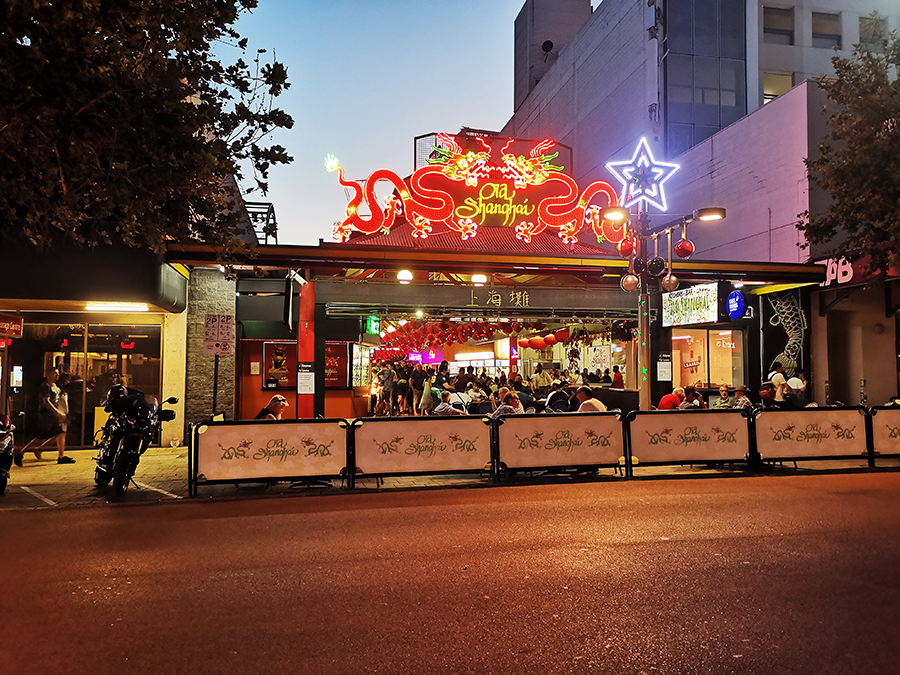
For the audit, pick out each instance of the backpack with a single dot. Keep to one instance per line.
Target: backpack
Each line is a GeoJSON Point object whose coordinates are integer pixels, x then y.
{"type": "Point", "coordinates": [767, 391]}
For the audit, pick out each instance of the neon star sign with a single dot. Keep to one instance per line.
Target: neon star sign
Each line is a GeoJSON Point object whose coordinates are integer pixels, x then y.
{"type": "Point", "coordinates": [489, 186]}
{"type": "Point", "coordinates": [642, 178]}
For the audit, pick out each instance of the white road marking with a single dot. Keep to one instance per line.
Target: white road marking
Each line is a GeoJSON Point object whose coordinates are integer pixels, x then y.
{"type": "Point", "coordinates": [150, 487]}
{"type": "Point", "coordinates": [48, 502]}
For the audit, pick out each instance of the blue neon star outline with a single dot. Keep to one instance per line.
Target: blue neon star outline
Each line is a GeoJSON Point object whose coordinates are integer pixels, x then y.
{"type": "Point", "coordinates": [642, 178]}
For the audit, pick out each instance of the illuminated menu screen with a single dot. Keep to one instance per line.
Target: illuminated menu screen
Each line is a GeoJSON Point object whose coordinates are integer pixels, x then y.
{"type": "Point", "coordinates": [690, 306]}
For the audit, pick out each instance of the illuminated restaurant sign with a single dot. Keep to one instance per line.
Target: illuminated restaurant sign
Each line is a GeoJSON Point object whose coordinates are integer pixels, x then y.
{"type": "Point", "coordinates": [697, 304]}
{"type": "Point", "coordinates": [463, 190]}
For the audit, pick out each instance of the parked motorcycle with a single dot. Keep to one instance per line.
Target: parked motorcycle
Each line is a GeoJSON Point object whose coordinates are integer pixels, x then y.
{"type": "Point", "coordinates": [7, 450]}
{"type": "Point", "coordinates": [132, 423]}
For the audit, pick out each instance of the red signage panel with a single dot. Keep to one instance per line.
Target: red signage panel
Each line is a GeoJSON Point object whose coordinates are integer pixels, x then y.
{"type": "Point", "coordinates": [11, 326]}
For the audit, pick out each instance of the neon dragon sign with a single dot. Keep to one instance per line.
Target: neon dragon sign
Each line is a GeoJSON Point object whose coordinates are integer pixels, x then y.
{"type": "Point", "coordinates": [464, 189]}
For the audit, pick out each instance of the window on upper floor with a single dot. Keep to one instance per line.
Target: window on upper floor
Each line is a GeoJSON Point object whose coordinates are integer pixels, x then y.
{"type": "Point", "coordinates": [776, 84]}
{"type": "Point", "coordinates": [873, 33]}
{"type": "Point", "coordinates": [826, 30]}
{"type": "Point", "coordinates": [778, 26]}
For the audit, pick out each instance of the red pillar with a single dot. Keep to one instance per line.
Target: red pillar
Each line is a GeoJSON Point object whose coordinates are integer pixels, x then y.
{"type": "Point", "coordinates": [306, 342]}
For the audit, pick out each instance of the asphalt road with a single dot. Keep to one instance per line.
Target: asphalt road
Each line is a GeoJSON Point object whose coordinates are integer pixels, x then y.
{"type": "Point", "coordinates": [788, 574]}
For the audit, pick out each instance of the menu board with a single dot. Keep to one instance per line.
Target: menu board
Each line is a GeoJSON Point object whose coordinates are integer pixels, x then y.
{"type": "Point", "coordinates": [697, 304]}
{"type": "Point", "coordinates": [361, 374]}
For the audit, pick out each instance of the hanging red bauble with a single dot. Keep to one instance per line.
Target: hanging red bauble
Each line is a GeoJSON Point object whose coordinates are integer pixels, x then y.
{"type": "Point", "coordinates": [684, 248]}
{"type": "Point", "coordinates": [550, 339]}
{"type": "Point", "coordinates": [537, 343]}
{"type": "Point", "coordinates": [625, 248]}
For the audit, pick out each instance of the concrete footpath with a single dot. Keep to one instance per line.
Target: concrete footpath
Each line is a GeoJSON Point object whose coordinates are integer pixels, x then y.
{"type": "Point", "coordinates": [163, 476]}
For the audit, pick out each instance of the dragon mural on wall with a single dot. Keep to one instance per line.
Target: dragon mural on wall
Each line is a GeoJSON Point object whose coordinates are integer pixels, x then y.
{"type": "Point", "coordinates": [788, 314]}
{"type": "Point", "coordinates": [425, 202]}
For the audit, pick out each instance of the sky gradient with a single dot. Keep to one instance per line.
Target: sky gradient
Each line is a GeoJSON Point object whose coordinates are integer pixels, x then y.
{"type": "Point", "coordinates": [366, 78]}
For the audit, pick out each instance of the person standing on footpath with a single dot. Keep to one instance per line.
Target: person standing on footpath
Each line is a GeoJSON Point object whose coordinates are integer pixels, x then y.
{"type": "Point", "coordinates": [417, 383]}
{"type": "Point", "coordinates": [52, 421]}
{"type": "Point", "coordinates": [778, 379]}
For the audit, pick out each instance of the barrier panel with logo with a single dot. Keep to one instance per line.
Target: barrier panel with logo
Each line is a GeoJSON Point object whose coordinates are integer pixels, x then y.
{"type": "Point", "coordinates": [563, 440]}
{"type": "Point", "coordinates": [811, 433]}
{"type": "Point", "coordinates": [886, 431]}
{"type": "Point", "coordinates": [246, 451]}
{"type": "Point", "coordinates": [393, 446]}
{"type": "Point", "coordinates": [684, 436]}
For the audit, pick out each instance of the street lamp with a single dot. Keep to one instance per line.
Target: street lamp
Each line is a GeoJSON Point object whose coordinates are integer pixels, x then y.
{"type": "Point", "coordinates": [643, 181]}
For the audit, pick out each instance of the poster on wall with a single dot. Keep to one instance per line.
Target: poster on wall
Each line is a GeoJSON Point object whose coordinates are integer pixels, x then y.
{"type": "Point", "coordinates": [306, 378]}
{"type": "Point", "coordinates": [784, 328]}
{"type": "Point", "coordinates": [337, 365]}
{"type": "Point", "coordinates": [279, 365]}
{"type": "Point", "coordinates": [599, 358]}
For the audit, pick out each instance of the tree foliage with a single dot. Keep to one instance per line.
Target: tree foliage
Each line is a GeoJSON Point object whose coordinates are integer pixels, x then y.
{"type": "Point", "coordinates": [118, 123]}
{"type": "Point", "coordinates": [859, 158]}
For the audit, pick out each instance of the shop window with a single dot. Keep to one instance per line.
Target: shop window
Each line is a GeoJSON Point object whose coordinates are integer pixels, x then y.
{"type": "Point", "coordinates": [706, 91]}
{"type": "Point", "coordinates": [776, 84]}
{"type": "Point", "coordinates": [873, 34]}
{"type": "Point", "coordinates": [90, 359]}
{"type": "Point", "coordinates": [707, 358]}
{"type": "Point", "coordinates": [778, 26]}
{"type": "Point", "coordinates": [826, 30]}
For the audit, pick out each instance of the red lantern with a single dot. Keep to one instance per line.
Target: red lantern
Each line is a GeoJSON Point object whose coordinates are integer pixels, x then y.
{"type": "Point", "coordinates": [550, 339]}
{"type": "Point", "coordinates": [537, 343]}
{"type": "Point", "coordinates": [562, 335]}
{"type": "Point", "coordinates": [523, 343]}
{"type": "Point", "coordinates": [625, 248]}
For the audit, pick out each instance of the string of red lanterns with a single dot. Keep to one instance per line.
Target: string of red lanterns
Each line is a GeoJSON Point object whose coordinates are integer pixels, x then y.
{"type": "Point", "coordinates": [416, 335]}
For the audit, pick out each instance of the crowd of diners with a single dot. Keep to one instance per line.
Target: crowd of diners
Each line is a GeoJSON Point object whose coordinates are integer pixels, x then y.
{"type": "Point", "coordinates": [410, 388]}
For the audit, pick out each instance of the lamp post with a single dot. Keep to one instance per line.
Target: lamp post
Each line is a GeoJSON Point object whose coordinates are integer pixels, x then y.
{"type": "Point", "coordinates": [643, 180]}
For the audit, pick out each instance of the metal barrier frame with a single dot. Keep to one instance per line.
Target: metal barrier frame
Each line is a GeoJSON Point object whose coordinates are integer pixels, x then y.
{"type": "Point", "coordinates": [746, 456]}
{"type": "Point", "coordinates": [867, 454]}
{"type": "Point", "coordinates": [503, 466]}
{"type": "Point", "coordinates": [195, 479]}
{"type": "Point", "coordinates": [495, 466]}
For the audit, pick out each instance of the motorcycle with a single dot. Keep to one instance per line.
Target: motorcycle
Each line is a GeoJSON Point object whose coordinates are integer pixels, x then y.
{"type": "Point", "coordinates": [132, 423]}
{"type": "Point", "coordinates": [7, 450]}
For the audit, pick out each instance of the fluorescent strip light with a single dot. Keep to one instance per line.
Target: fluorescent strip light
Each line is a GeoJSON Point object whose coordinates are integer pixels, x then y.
{"type": "Point", "coordinates": [117, 307]}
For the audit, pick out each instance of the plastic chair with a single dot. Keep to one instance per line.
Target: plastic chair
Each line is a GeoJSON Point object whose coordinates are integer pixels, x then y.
{"type": "Point", "coordinates": [485, 408]}
{"type": "Point", "coordinates": [560, 406]}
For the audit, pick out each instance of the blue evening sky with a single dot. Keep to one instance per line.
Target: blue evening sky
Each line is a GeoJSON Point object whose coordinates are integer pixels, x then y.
{"type": "Point", "coordinates": [366, 78]}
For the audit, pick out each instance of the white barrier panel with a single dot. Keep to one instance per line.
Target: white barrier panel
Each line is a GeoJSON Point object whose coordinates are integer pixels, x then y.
{"type": "Point", "coordinates": [270, 450]}
{"type": "Point", "coordinates": [431, 444]}
{"type": "Point", "coordinates": [811, 432]}
{"type": "Point", "coordinates": [560, 440]}
{"type": "Point", "coordinates": [684, 436]}
{"type": "Point", "coordinates": [886, 431]}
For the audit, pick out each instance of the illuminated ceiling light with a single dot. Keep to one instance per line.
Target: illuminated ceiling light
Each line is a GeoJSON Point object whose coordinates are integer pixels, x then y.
{"type": "Point", "coordinates": [709, 214]}
{"type": "Point", "coordinates": [382, 333]}
{"type": "Point", "coordinates": [614, 213]}
{"type": "Point", "coordinates": [222, 268]}
{"type": "Point", "coordinates": [391, 329]}
{"type": "Point", "coordinates": [738, 284]}
{"type": "Point", "coordinates": [479, 279]}
{"type": "Point", "coordinates": [404, 276]}
{"type": "Point", "coordinates": [420, 313]}
{"type": "Point", "coordinates": [402, 322]}
{"type": "Point", "coordinates": [117, 307]}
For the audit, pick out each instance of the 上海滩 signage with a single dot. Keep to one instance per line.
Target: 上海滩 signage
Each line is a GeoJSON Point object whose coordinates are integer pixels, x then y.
{"type": "Point", "coordinates": [689, 306]}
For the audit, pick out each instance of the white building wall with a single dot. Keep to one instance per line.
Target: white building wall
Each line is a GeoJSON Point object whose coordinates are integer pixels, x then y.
{"type": "Point", "coordinates": [754, 169]}
{"type": "Point", "coordinates": [596, 97]}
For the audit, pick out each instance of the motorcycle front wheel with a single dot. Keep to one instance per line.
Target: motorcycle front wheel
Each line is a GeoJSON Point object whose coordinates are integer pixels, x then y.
{"type": "Point", "coordinates": [120, 473]}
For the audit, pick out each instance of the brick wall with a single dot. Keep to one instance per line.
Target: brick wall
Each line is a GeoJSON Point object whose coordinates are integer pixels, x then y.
{"type": "Point", "coordinates": [209, 293]}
